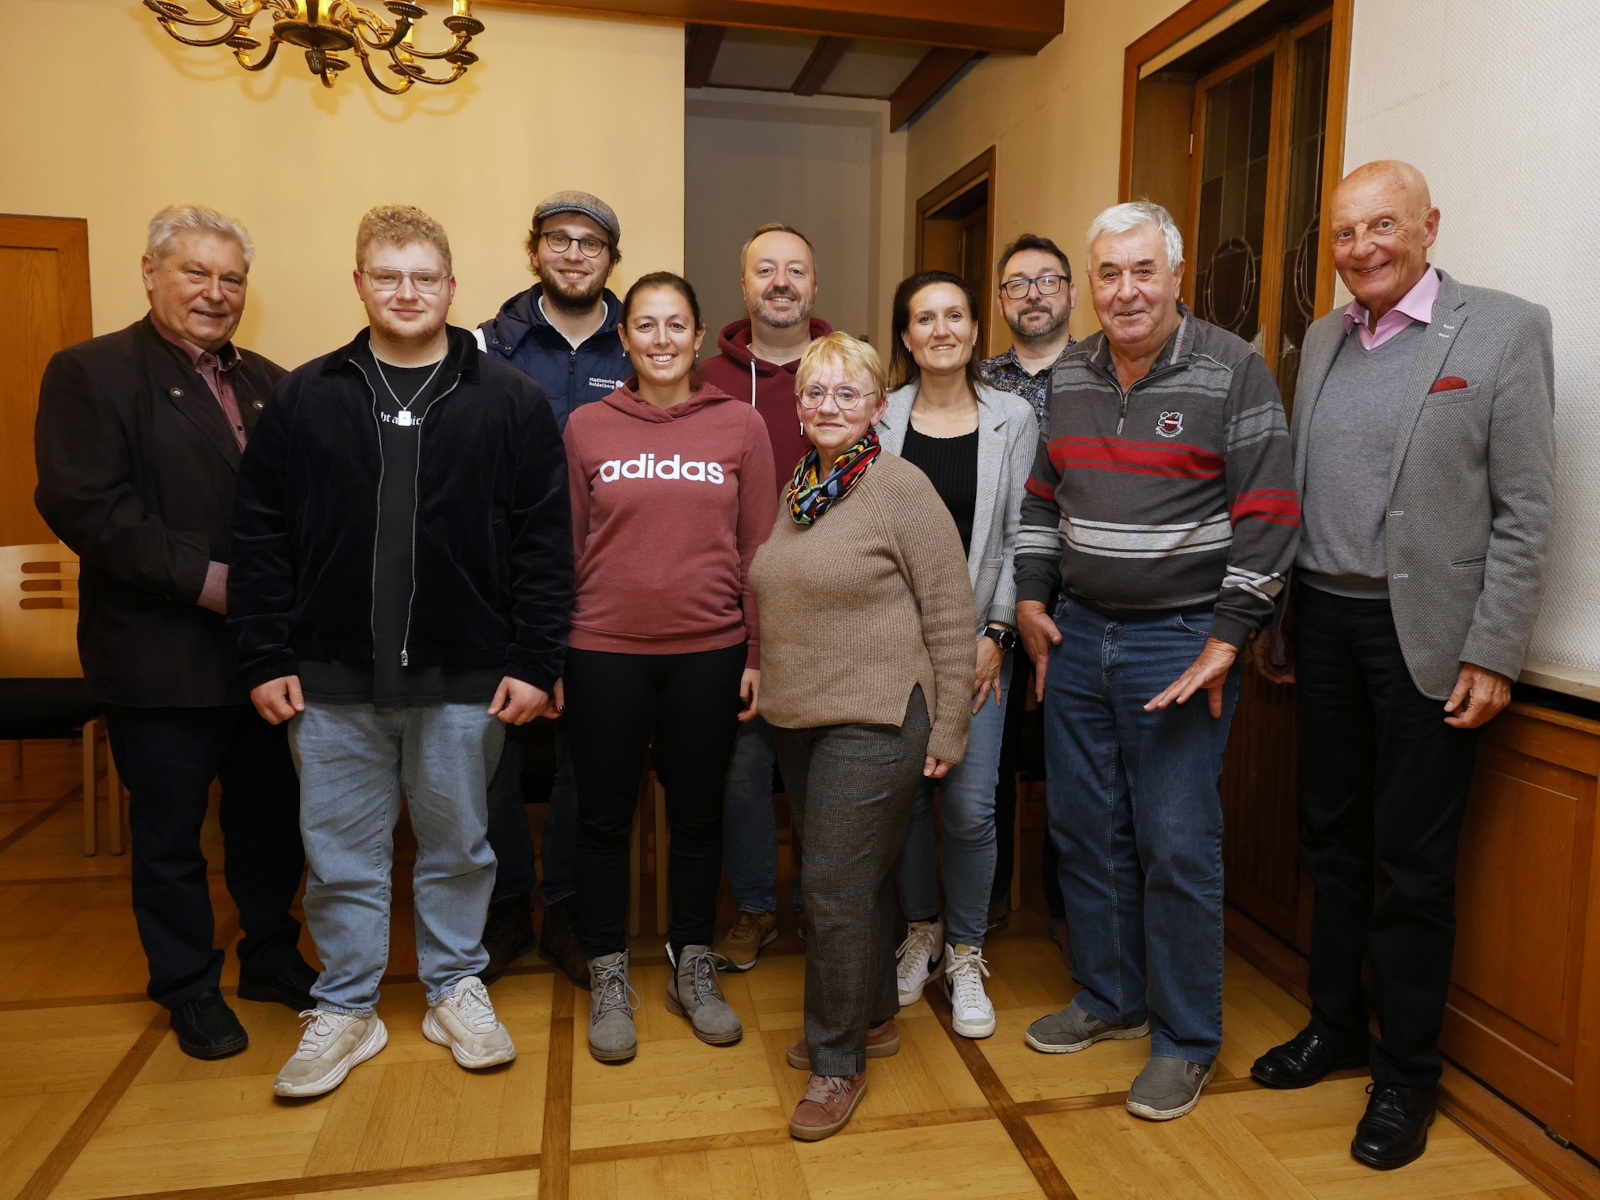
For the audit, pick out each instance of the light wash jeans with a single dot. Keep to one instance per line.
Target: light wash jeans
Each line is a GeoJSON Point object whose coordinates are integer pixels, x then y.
{"type": "Point", "coordinates": [511, 839]}
{"type": "Point", "coordinates": [966, 813]}
{"type": "Point", "coordinates": [354, 760]}
{"type": "Point", "coordinates": [1135, 811]}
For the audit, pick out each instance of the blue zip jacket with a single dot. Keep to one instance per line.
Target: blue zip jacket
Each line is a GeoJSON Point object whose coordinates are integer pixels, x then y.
{"type": "Point", "coordinates": [520, 335]}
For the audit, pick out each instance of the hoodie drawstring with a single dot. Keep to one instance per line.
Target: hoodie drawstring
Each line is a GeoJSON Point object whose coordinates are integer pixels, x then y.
{"type": "Point", "coordinates": [752, 382]}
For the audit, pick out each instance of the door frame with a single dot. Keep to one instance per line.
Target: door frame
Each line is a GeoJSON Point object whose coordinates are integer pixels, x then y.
{"type": "Point", "coordinates": [981, 169]}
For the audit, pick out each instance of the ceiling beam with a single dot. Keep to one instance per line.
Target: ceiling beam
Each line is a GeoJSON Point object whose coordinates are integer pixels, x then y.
{"type": "Point", "coordinates": [701, 43]}
{"type": "Point", "coordinates": [1018, 26]}
{"type": "Point", "coordinates": [824, 58]}
{"type": "Point", "coordinates": [937, 68]}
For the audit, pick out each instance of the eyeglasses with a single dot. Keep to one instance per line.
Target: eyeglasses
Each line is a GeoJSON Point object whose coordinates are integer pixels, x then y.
{"type": "Point", "coordinates": [560, 242]}
{"type": "Point", "coordinates": [1048, 285]}
{"type": "Point", "coordinates": [388, 279]}
{"type": "Point", "coordinates": [845, 398]}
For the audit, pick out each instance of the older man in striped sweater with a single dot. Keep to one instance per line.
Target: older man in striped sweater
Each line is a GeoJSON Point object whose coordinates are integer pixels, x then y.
{"type": "Point", "coordinates": [1162, 503]}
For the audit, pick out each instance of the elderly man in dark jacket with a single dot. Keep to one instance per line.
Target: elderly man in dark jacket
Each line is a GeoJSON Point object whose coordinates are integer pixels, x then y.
{"type": "Point", "coordinates": [138, 441]}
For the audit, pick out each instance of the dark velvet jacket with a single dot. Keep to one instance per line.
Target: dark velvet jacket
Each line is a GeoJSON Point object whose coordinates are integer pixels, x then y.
{"type": "Point", "coordinates": [137, 468]}
{"type": "Point", "coordinates": [492, 531]}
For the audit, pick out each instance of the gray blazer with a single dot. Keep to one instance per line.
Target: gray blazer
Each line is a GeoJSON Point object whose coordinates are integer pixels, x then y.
{"type": "Point", "coordinates": [1008, 435]}
{"type": "Point", "coordinates": [1471, 487]}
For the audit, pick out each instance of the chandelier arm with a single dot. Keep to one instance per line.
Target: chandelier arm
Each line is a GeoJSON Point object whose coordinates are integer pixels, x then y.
{"type": "Point", "coordinates": [455, 47]}
{"type": "Point", "coordinates": [244, 61]}
{"type": "Point", "coordinates": [366, 65]}
{"type": "Point", "coordinates": [454, 75]}
{"type": "Point", "coordinates": [216, 41]}
{"type": "Point", "coordinates": [387, 39]}
{"type": "Point", "coordinates": [237, 10]}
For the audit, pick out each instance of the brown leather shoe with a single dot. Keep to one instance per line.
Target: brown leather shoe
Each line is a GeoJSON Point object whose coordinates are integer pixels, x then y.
{"type": "Point", "coordinates": [507, 934]}
{"type": "Point", "coordinates": [559, 944]}
{"type": "Point", "coordinates": [827, 1106]}
{"type": "Point", "coordinates": [741, 945]}
{"type": "Point", "coordinates": [883, 1041]}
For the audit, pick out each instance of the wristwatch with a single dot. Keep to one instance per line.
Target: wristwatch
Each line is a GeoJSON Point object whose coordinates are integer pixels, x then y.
{"type": "Point", "coordinates": [1006, 639]}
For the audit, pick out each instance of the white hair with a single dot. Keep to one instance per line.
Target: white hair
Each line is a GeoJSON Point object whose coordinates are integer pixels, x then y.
{"type": "Point", "coordinates": [1123, 218]}
{"type": "Point", "coordinates": [167, 224]}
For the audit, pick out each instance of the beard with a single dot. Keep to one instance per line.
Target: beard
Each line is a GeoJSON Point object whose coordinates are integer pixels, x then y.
{"type": "Point", "coordinates": [1035, 332]}
{"type": "Point", "coordinates": [800, 312]}
{"type": "Point", "coordinates": [569, 297]}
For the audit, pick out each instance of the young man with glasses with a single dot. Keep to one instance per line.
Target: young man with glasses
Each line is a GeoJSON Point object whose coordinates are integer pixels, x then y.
{"type": "Point", "coordinates": [562, 332]}
{"type": "Point", "coordinates": [1037, 297]}
{"type": "Point", "coordinates": [400, 588]}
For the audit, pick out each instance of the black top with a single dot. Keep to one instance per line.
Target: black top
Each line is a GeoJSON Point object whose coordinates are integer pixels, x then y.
{"type": "Point", "coordinates": [404, 395]}
{"type": "Point", "coordinates": [951, 465]}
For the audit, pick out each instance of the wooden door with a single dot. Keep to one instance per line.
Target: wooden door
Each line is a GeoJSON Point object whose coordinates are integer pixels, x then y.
{"type": "Point", "coordinates": [955, 233]}
{"type": "Point", "coordinates": [44, 306]}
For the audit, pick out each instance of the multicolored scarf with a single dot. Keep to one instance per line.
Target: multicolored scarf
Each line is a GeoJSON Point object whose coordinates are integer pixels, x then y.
{"type": "Point", "coordinates": [810, 497]}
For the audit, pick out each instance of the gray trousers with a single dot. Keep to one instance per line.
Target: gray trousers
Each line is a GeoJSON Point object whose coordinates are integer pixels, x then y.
{"type": "Point", "coordinates": [850, 789]}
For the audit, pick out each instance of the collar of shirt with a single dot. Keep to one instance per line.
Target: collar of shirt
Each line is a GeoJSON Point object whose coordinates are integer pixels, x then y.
{"type": "Point", "coordinates": [1416, 306]}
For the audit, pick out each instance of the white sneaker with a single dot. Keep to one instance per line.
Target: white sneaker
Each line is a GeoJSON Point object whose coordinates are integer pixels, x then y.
{"type": "Point", "coordinates": [972, 1014]}
{"type": "Point", "coordinates": [916, 958]}
{"type": "Point", "coordinates": [333, 1043]}
{"type": "Point", "coordinates": [464, 1020]}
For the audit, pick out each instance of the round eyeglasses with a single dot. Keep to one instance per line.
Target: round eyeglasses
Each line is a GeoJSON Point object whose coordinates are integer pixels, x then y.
{"type": "Point", "coordinates": [560, 242]}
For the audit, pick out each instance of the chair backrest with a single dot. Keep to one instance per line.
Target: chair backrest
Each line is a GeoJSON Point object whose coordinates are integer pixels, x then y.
{"type": "Point", "coordinates": [39, 612]}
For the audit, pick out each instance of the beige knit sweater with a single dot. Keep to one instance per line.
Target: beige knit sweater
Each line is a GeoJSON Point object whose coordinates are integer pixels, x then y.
{"type": "Point", "coordinates": [865, 603]}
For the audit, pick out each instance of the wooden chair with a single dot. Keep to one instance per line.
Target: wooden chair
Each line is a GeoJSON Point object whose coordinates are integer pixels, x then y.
{"type": "Point", "coordinates": [42, 693]}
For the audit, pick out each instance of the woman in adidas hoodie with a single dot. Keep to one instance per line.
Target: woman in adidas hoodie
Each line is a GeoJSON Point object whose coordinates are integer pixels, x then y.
{"type": "Point", "coordinates": [672, 490]}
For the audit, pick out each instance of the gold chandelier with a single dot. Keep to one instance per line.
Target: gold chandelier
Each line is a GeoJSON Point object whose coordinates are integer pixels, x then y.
{"type": "Point", "coordinates": [326, 29]}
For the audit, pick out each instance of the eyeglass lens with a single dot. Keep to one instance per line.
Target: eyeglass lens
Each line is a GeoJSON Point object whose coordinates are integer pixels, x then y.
{"type": "Point", "coordinates": [1048, 285]}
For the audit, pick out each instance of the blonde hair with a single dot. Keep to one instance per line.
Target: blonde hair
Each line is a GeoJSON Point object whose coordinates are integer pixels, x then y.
{"type": "Point", "coordinates": [403, 225]}
{"type": "Point", "coordinates": [854, 357]}
{"type": "Point", "coordinates": [167, 224]}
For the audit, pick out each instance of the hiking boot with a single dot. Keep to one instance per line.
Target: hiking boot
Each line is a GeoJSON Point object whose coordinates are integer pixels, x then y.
{"type": "Point", "coordinates": [465, 1021]}
{"type": "Point", "coordinates": [693, 992]}
{"type": "Point", "coordinates": [916, 958]}
{"type": "Point", "coordinates": [970, 1011]}
{"type": "Point", "coordinates": [1072, 1029]}
{"type": "Point", "coordinates": [507, 934]}
{"type": "Point", "coordinates": [883, 1041]}
{"type": "Point", "coordinates": [1168, 1087]}
{"type": "Point", "coordinates": [741, 945]}
{"type": "Point", "coordinates": [559, 944]}
{"type": "Point", "coordinates": [333, 1043]}
{"type": "Point", "coordinates": [611, 1005]}
{"type": "Point", "coordinates": [826, 1106]}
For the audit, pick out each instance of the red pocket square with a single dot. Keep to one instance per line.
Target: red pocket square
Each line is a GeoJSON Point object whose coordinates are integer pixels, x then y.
{"type": "Point", "coordinates": [1447, 383]}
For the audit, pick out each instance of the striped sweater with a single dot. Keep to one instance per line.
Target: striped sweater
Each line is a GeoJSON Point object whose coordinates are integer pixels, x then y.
{"type": "Point", "coordinates": [1178, 493]}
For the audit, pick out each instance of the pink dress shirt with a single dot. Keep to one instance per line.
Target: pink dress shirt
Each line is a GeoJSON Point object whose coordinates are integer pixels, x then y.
{"type": "Point", "coordinates": [215, 369]}
{"type": "Point", "coordinates": [1416, 306]}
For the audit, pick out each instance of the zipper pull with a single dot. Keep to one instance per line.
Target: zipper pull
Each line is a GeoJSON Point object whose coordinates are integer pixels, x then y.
{"type": "Point", "coordinates": [405, 659]}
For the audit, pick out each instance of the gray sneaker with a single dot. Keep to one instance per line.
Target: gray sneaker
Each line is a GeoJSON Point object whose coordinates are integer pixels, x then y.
{"type": "Point", "coordinates": [1072, 1029]}
{"type": "Point", "coordinates": [611, 1005]}
{"type": "Point", "coordinates": [1168, 1087]}
{"type": "Point", "coordinates": [693, 992]}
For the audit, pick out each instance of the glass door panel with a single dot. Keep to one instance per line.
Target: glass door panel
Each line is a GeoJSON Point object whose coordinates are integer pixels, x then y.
{"type": "Point", "coordinates": [1302, 232]}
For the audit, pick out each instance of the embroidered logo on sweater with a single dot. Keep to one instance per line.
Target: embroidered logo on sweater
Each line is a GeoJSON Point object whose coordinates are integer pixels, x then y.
{"type": "Point", "coordinates": [646, 467]}
{"type": "Point", "coordinates": [1170, 424]}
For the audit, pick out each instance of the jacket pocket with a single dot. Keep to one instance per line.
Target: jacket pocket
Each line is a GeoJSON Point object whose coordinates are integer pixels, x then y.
{"type": "Point", "coordinates": [1476, 561]}
{"type": "Point", "coordinates": [1453, 396]}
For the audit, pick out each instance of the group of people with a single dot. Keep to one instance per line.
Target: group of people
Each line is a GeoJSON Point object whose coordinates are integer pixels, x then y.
{"type": "Point", "coordinates": [332, 586]}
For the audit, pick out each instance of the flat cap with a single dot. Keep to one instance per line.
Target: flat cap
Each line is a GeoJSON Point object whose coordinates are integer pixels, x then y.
{"type": "Point", "coordinates": [590, 206]}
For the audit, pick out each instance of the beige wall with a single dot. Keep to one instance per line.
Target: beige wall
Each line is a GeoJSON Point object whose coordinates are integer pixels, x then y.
{"type": "Point", "coordinates": [112, 120]}
{"type": "Point", "coordinates": [1055, 121]}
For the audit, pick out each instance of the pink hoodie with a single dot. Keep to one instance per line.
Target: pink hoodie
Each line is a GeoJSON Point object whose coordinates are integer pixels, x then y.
{"type": "Point", "coordinates": [668, 508]}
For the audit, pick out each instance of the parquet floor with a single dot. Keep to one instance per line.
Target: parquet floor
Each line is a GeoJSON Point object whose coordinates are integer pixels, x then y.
{"type": "Point", "coordinates": [96, 1100]}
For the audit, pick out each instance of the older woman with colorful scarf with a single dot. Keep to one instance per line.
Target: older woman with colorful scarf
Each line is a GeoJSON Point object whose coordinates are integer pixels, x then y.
{"type": "Point", "coordinates": [866, 613]}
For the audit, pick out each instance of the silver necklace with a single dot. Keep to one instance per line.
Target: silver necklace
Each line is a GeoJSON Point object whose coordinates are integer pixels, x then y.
{"type": "Point", "coordinates": [405, 417]}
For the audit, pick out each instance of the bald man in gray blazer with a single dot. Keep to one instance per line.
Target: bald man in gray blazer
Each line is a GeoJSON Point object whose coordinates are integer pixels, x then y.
{"type": "Point", "coordinates": [1424, 449]}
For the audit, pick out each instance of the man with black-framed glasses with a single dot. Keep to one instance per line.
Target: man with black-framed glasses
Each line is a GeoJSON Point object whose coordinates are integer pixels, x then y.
{"type": "Point", "coordinates": [562, 332]}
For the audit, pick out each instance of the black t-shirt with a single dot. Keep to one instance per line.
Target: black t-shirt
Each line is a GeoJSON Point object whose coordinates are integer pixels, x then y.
{"type": "Point", "coordinates": [951, 465]}
{"type": "Point", "coordinates": [405, 395]}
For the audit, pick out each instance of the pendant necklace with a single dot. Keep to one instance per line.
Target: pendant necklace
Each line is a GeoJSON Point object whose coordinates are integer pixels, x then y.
{"type": "Point", "coordinates": [404, 417]}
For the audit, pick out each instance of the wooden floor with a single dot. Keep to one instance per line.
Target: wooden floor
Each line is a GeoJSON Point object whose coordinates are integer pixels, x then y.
{"type": "Point", "coordinates": [97, 1101]}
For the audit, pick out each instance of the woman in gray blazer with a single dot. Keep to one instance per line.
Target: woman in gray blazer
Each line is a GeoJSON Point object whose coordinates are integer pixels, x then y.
{"type": "Point", "coordinates": [976, 445]}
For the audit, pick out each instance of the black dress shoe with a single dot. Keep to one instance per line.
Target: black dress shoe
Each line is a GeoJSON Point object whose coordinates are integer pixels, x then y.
{"type": "Point", "coordinates": [1394, 1130]}
{"type": "Point", "coordinates": [207, 1028]}
{"type": "Point", "coordinates": [290, 987]}
{"type": "Point", "coordinates": [507, 934]}
{"type": "Point", "coordinates": [1305, 1059]}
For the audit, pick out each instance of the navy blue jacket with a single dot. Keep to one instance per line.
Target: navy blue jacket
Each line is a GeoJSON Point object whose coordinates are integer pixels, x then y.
{"type": "Point", "coordinates": [493, 529]}
{"type": "Point", "coordinates": [520, 335]}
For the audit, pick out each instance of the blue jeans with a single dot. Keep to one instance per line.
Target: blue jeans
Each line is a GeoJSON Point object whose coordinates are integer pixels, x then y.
{"type": "Point", "coordinates": [354, 760]}
{"type": "Point", "coordinates": [966, 813]}
{"type": "Point", "coordinates": [1135, 813]}
{"type": "Point", "coordinates": [511, 839]}
{"type": "Point", "coordinates": [749, 824]}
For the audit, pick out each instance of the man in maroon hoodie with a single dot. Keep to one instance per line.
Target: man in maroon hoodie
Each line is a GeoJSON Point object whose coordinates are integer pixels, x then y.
{"type": "Point", "coordinates": [778, 274]}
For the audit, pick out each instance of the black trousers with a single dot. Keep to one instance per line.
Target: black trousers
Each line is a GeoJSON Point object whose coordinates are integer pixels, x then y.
{"type": "Point", "coordinates": [615, 703]}
{"type": "Point", "coordinates": [1383, 778]}
{"type": "Point", "coordinates": [1005, 796]}
{"type": "Point", "coordinates": [168, 758]}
